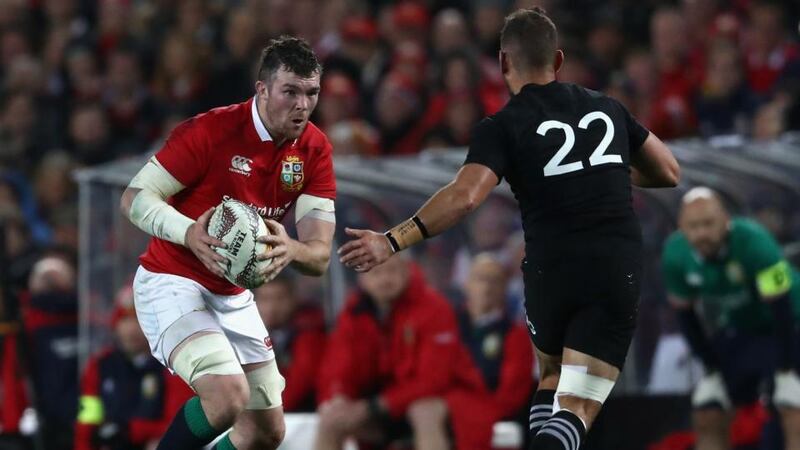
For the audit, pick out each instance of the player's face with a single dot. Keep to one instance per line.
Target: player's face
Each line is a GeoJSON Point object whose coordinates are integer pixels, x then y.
{"type": "Point", "coordinates": [485, 289]}
{"type": "Point", "coordinates": [275, 304]}
{"type": "Point", "coordinates": [286, 103]}
{"type": "Point", "coordinates": [705, 225]}
{"type": "Point", "coordinates": [130, 336]}
{"type": "Point", "coordinates": [384, 283]}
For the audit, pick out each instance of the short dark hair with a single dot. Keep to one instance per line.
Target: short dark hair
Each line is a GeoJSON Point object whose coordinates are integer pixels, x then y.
{"type": "Point", "coordinates": [531, 37]}
{"type": "Point", "coordinates": [291, 53]}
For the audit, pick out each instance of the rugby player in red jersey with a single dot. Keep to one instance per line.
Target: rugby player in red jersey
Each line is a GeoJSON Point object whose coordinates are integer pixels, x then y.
{"type": "Point", "coordinates": [263, 152]}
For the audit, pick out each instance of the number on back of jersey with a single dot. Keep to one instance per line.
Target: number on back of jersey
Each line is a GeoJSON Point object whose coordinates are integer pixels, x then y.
{"type": "Point", "coordinates": [555, 167]}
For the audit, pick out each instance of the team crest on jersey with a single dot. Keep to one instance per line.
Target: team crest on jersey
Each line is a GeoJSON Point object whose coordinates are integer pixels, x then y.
{"type": "Point", "coordinates": [292, 174]}
{"type": "Point", "coordinates": [735, 272]}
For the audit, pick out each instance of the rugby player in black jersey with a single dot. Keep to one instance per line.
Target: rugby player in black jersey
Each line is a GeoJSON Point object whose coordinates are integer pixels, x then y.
{"type": "Point", "coordinates": [570, 156]}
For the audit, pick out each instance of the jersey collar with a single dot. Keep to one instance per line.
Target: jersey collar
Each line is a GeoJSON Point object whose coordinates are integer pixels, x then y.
{"type": "Point", "coordinates": [263, 134]}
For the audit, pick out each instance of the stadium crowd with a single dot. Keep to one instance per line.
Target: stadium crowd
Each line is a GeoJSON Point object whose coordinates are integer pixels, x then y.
{"type": "Point", "coordinates": [85, 82]}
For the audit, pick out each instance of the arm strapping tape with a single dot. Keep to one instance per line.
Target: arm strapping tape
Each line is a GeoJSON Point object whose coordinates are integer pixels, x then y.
{"type": "Point", "coordinates": [314, 207]}
{"type": "Point", "coordinates": [149, 210]}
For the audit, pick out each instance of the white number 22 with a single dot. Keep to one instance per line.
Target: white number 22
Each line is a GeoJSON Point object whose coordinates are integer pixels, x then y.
{"type": "Point", "coordinates": [598, 156]}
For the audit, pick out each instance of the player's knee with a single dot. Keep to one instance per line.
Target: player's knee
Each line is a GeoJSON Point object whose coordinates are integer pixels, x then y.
{"type": "Point", "coordinates": [266, 438]}
{"type": "Point", "coordinates": [228, 399]}
{"type": "Point", "coordinates": [581, 393]}
{"type": "Point", "coordinates": [428, 413]}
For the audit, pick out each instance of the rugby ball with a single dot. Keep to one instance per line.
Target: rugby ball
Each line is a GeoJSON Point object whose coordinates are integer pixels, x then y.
{"type": "Point", "coordinates": [238, 225]}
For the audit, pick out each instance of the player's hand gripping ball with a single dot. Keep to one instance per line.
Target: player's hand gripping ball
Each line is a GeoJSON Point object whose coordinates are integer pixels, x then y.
{"type": "Point", "coordinates": [238, 225]}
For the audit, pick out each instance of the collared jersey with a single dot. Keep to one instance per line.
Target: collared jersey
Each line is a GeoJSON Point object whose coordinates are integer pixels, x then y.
{"type": "Point", "coordinates": [731, 286]}
{"type": "Point", "coordinates": [228, 153]}
{"type": "Point", "coordinates": [565, 152]}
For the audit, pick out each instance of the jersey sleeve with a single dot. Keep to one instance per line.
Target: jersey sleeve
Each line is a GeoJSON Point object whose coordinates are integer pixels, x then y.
{"type": "Point", "coordinates": [637, 133]}
{"type": "Point", "coordinates": [674, 271]}
{"type": "Point", "coordinates": [185, 154]}
{"type": "Point", "coordinates": [488, 146]}
{"type": "Point", "coordinates": [322, 182]}
{"type": "Point", "coordinates": [764, 262]}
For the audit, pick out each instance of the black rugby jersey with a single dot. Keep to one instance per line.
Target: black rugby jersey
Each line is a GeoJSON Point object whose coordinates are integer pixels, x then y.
{"type": "Point", "coordinates": [565, 151]}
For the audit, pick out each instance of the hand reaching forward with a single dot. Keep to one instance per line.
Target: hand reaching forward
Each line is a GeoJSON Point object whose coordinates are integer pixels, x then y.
{"type": "Point", "coordinates": [366, 251]}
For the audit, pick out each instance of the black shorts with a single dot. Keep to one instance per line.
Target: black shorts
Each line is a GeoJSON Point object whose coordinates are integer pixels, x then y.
{"type": "Point", "coordinates": [586, 304]}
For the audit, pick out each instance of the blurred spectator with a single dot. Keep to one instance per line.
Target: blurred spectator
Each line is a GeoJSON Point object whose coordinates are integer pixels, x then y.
{"type": "Point", "coordinates": [360, 55]}
{"type": "Point", "coordinates": [112, 27]}
{"type": "Point", "coordinates": [50, 316]}
{"type": "Point", "coordinates": [20, 252]}
{"type": "Point", "coordinates": [132, 112]}
{"type": "Point", "coordinates": [487, 20]}
{"type": "Point", "coordinates": [725, 104]}
{"type": "Point", "coordinates": [180, 79]}
{"type": "Point", "coordinates": [53, 185]}
{"type": "Point", "coordinates": [489, 228]}
{"type": "Point", "coordinates": [127, 398]}
{"type": "Point", "coordinates": [767, 47]}
{"type": "Point", "coordinates": [298, 339]}
{"type": "Point", "coordinates": [407, 22]}
{"type": "Point", "coordinates": [18, 132]}
{"type": "Point", "coordinates": [500, 348]}
{"type": "Point", "coordinates": [605, 44]}
{"type": "Point", "coordinates": [90, 135]}
{"type": "Point", "coordinates": [83, 73]}
{"type": "Point", "coordinates": [355, 137]}
{"type": "Point", "coordinates": [463, 111]}
{"type": "Point", "coordinates": [234, 78]}
{"type": "Point", "coordinates": [398, 105]}
{"type": "Point", "coordinates": [671, 115]}
{"type": "Point", "coordinates": [450, 32]}
{"type": "Point", "coordinates": [394, 345]}
{"type": "Point", "coordinates": [339, 100]}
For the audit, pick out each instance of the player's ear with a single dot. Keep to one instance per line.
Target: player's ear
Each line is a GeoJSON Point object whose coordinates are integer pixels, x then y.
{"type": "Point", "coordinates": [262, 89]}
{"type": "Point", "coordinates": [504, 63]}
{"type": "Point", "coordinates": [558, 61]}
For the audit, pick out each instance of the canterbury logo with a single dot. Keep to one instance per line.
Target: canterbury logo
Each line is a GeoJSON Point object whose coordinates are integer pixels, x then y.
{"type": "Point", "coordinates": [241, 165]}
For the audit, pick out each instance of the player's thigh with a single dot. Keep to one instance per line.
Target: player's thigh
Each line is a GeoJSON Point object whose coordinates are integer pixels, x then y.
{"type": "Point", "coordinates": [603, 324]}
{"type": "Point", "coordinates": [239, 319]}
{"type": "Point", "coordinates": [747, 363]}
{"type": "Point", "coordinates": [547, 304]}
{"type": "Point", "coordinates": [169, 309]}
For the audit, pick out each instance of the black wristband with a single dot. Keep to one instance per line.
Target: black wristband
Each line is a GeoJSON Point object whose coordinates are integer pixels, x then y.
{"type": "Point", "coordinates": [392, 241]}
{"type": "Point", "coordinates": [421, 227]}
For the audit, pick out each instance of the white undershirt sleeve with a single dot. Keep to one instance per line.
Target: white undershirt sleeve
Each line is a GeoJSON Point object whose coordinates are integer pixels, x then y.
{"type": "Point", "coordinates": [315, 207]}
{"type": "Point", "coordinates": [150, 212]}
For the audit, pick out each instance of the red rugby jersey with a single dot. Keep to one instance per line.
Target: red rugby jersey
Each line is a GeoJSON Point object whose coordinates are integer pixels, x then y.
{"type": "Point", "coordinates": [228, 153]}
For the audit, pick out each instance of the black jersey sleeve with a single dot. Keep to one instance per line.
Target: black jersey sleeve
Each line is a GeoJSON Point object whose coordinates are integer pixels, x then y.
{"type": "Point", "coordinates": [637, 133]}
{"type": "Point", "coordinates": [488, 146]}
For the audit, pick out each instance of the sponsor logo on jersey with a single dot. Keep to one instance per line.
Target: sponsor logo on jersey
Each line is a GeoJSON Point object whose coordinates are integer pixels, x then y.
{"type": "Point", "coordinates": [292, 174]}
{"type": "Point", "coordinates": [267, 212]}
{"type": "Point", "coordinates": [241, 165]}
{"type": "Point", "coordinates": [268, 342]}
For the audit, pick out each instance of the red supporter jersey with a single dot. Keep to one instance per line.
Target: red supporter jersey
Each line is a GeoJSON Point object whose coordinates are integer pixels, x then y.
{"type": "Point", "coordinates": [228, 153]}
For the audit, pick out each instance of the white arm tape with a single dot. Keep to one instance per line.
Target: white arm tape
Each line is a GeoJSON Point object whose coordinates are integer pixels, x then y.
{"type": "Point", "coordinates": [149, 209]}
{"type": "Point", "coordinates": [315, 207]}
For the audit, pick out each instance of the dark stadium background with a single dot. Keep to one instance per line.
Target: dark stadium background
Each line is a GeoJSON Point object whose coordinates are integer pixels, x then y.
{"type": "Point", "coordinates": [89, 88]}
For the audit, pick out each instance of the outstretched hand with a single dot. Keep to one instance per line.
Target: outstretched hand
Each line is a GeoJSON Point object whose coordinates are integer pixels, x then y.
{"type": "Point", "coordinates": [366, 251]}
{"type": "Point", "coordinates": [200, 243]}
